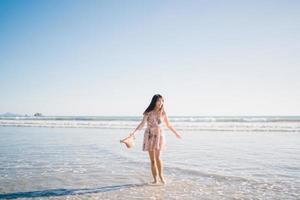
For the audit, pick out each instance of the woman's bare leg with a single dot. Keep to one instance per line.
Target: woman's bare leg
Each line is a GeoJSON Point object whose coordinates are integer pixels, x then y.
{"type": "Point", "coordinates": [159, 164]}
{"type": "Point", "coordinates": [153, 166]}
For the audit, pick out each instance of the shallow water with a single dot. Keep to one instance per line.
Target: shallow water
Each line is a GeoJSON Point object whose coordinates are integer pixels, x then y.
{"type": "Point", "coordinates": [85, 163]}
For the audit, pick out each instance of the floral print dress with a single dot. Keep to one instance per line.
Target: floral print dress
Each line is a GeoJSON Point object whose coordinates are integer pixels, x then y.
{"type": "Point", "coordinates": [154, 138]}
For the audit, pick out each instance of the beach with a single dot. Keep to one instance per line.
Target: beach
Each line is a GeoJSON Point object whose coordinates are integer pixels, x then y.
{"type": "Point", "coordinates": [90, 163]}
{"type": "Point", "coordinates": [220, 80]}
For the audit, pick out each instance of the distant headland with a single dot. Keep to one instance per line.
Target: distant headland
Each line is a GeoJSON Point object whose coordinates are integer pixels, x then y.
{"type": "Point", "coordinates": [9, 114]}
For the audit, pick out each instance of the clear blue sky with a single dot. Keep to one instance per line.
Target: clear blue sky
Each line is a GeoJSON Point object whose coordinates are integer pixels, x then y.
{"type": "Point", "coordinates": [70, 57]}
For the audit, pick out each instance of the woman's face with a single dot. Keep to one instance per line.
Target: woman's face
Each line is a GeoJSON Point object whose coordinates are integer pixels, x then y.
{"type": "Point", "coordinates": [159, 103]}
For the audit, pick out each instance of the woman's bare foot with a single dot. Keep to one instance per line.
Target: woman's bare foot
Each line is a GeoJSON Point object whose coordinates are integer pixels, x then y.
{"type": "Point", "coordinates": [162, 180]}
{"type": "Point", "coordinates": [154, 182]}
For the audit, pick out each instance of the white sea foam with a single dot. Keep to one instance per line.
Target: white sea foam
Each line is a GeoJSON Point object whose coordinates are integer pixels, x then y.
{"type": "Point", "coordinates": [264, 124]}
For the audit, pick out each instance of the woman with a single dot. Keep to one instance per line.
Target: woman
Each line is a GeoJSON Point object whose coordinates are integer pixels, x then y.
{"type": "Point", "coordinates": [154, 139]}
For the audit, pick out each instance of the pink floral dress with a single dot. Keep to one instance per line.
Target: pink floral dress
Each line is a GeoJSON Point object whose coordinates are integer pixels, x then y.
{"type": "Point", "coordinates": [154, 138]}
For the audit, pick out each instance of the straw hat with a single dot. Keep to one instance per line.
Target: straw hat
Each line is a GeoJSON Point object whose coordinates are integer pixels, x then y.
{"type": "Point", "coordinates": [128, 141]}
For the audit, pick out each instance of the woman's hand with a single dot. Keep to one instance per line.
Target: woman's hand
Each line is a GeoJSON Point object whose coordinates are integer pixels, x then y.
{"type": "Point", "coordinates": [178, 136]}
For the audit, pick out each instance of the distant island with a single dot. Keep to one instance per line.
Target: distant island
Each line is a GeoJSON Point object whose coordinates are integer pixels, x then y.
{"type": "Point", "coordinates": [38, 115]}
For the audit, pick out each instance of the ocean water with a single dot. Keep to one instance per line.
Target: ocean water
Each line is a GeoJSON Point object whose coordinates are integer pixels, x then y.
{"type": "Point", "coordinates": [89, 163]}
{"type": "Point", "coordinates": [194, 123]}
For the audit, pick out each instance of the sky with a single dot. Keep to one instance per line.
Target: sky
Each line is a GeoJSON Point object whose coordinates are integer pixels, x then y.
{"type": "Point", "coordinates": [205, 57]}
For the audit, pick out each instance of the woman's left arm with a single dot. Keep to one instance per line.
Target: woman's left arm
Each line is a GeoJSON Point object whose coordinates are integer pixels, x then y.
{"type": "Point", "coordinates": [167, 123]}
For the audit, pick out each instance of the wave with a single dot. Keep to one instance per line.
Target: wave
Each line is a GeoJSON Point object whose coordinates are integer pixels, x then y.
{"type": "Point", "coordinates": [172, 118]}
{"type": "Point", "coordinates": [283, 124]}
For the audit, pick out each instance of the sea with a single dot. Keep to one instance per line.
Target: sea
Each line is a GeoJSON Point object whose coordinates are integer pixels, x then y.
{"type": "Point", "coordinates": [218, 157]}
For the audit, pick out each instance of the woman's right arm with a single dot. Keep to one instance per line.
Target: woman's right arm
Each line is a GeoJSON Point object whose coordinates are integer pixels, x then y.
{"type": "Point", "coordinates": [141, 125]}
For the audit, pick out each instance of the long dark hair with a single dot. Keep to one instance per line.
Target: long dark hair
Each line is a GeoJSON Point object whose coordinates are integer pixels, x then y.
{"type": "Point", "coordinates": [153, 104]}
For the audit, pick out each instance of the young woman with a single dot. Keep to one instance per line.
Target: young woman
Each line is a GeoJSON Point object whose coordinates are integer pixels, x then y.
{"type": "Point", "coordinates": [154, 139]}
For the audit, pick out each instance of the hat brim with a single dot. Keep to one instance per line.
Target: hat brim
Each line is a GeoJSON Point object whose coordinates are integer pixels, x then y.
{"type": "Point", "coordinates": [128, 141]}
